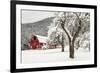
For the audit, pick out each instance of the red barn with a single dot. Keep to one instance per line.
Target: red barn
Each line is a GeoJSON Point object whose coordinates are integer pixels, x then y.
{"type": "Point", "coordinates": [34, 43]}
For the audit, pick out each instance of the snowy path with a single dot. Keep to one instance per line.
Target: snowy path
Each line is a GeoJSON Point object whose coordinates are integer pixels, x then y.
{"type": "Point", "coordinates": [52, 55]}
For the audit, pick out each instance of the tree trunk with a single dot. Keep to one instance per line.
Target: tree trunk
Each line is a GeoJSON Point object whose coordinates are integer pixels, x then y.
{"type": "Point", "coordinates": [71, 49]}
{"type": "Point", "coordinates": [78, 44]}
{"type": "Point", "coordinates": [89, 46]}
{"type": "Point", "coordinates": [71, 44]}
{"type": "Point", "coordinates": [62, 43]}
{"type": "Point", "coordinates": [62, 48]}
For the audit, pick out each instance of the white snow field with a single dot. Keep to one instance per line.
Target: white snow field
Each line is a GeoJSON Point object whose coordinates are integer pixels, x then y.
{"type": "Point", "coordinates": [53, 55]}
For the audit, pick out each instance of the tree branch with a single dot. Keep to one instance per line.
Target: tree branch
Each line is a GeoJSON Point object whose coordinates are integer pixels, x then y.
{"type": "Point", "coordinates": [68, 34]}
{"type": "Point", "coordinates": [66, 30]}
{"type": "Point", "coordinates": [79, 28]}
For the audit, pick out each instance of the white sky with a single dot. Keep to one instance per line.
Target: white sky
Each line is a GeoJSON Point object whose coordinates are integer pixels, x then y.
{"type": "Point", "coordinates": [29, 16]}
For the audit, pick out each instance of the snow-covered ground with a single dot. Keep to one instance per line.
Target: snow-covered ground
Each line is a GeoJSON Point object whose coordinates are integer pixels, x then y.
{"type": "Point", "coordinates": [53, 55]}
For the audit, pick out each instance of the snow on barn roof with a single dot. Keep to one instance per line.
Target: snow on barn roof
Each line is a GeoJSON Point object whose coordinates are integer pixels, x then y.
{"type": "Point", "coordinates": [42, 38]}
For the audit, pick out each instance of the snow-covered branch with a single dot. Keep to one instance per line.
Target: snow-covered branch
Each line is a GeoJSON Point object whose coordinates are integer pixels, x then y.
{"type": "Point", "coordinates": [69, 34]}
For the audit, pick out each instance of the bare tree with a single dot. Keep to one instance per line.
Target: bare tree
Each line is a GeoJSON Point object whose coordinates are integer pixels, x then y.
{"type": "Point", "coordinates": [73, 24]}
{"type": "Point", "coordinates": [70, 37]}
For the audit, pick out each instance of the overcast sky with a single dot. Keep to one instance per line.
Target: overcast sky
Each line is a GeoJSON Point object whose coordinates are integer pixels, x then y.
{"type": "Point", "coordinates": [29, 16]}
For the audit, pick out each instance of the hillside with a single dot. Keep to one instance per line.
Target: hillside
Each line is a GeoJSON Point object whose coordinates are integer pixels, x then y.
{"type": "Point", "coordinates": [38, 28]}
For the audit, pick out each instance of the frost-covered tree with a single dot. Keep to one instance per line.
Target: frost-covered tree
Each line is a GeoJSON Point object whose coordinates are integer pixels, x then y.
{"type": "Point", "coordinates": [55, 35]}
{"type": "Point", "coordinates": [73, 24]}
{"type": "Point", "coordinates": [83, 40]}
